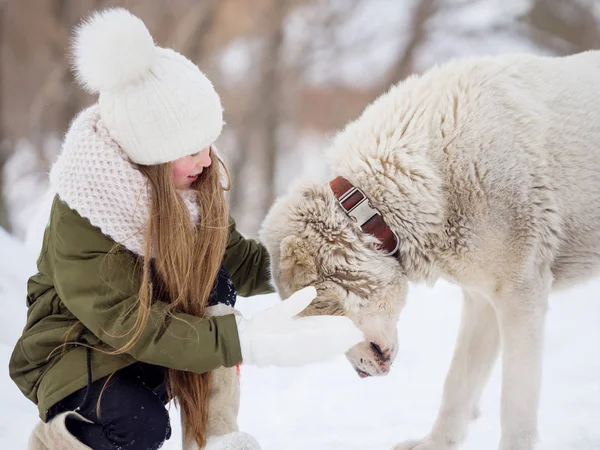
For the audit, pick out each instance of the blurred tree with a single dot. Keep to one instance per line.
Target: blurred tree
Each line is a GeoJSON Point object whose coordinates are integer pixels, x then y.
{"type": "Point", "coordinates": [4, 146]}
{"type": "Point", "coordinates": [281, 66]}
{"type": "Point", "coordinates": [404, 65]}
{"type": "Point", "coordinates": [563, 27]}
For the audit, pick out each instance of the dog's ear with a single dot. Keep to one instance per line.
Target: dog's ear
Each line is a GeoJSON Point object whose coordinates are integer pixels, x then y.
{"type": "Point", "coordinates": [297, 265]}
{"type": "Point", "coordinates": [326, 304]}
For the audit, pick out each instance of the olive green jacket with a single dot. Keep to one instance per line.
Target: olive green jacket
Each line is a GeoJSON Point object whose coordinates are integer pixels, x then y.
{"type": "Point", "coordinates": [86, 291]}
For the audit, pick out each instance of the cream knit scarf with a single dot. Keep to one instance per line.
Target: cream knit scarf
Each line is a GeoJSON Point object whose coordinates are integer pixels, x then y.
{"type": "Point", "coordinates": [94, 177]}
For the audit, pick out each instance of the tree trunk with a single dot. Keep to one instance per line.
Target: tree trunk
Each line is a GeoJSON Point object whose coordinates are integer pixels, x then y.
{"type": "Point", "coordinates": [404, 64]}
{"type": "Point", "coordinates": [271, 96]}
{"type": "Point", "coordinates": [4, 221]}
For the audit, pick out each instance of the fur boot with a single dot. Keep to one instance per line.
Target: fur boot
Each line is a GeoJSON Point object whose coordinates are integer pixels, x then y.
{"type": "Point", "coordinates": [54, 434]}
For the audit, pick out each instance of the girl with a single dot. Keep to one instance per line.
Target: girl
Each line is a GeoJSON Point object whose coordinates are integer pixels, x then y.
{"type": "Point", "coordinates": [138, 247]}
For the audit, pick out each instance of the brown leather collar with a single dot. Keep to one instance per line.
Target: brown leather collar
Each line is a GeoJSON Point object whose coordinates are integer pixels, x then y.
{"type": "Point", "coordinates": [357, 206]}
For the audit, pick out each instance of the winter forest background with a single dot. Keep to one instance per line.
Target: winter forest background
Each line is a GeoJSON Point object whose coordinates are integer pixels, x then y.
{"type": "Point", "coordinates": [291, 73]}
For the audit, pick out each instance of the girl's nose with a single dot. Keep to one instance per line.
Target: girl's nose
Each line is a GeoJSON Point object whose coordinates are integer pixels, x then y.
{"type": "Point", "coordinates": [204, 158]}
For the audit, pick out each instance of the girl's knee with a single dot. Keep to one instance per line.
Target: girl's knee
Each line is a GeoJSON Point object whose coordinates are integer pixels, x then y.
{"type": "Point", "coordinates": [153, 430]}
{"type": "Point", "coordinates": [137, 415]}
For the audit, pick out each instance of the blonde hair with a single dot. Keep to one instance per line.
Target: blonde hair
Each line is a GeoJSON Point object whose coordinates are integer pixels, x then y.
{"type": "Point", "coordinates": [187, 258]}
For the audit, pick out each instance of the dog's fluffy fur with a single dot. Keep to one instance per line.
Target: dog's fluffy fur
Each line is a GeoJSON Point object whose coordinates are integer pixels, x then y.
{"type": "Point", "coordinates": [489, 171]}
{"type": "Point", "coordinates": [224, 403]}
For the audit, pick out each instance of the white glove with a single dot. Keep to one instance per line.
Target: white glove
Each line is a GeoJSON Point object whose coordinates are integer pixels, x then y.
{"type": "Point", "coordinates": [275, 337]}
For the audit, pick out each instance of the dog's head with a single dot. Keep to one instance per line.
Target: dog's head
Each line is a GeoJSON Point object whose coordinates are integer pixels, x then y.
{"type": "Point", "coordinates": [313, 243]}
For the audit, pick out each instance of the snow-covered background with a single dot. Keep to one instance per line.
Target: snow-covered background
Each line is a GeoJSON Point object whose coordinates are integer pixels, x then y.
{"type": "Point", "coordinates": [334, 56]}
{"type": "Point", "coordinates": [327, 407]}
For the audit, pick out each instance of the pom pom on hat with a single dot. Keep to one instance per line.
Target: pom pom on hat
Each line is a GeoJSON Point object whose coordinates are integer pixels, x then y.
{"type": "Point", "coordinates": [156, 104]}
{"type": "Point", "coordinates": [110, 49]}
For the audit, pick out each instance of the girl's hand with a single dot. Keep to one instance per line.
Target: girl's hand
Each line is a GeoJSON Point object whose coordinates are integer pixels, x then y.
{"type": "Point", "coordinates": [275, 337]}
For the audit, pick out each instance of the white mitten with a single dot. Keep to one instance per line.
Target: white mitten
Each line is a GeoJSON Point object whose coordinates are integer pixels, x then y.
{"type": "Point", "coordinates": [275, 337]}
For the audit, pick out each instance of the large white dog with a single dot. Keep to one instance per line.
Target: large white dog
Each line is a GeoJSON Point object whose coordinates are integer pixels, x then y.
{"type": "Point", "coordinates": [484, 172]}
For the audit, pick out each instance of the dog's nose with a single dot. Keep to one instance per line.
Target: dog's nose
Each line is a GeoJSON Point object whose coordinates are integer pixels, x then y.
{"type": "Point", "coordinates": [383, 355]}
{"type": "Point", "coordinates": [384, 366]}
{"type": "Point", "coordinates": [377, 349]}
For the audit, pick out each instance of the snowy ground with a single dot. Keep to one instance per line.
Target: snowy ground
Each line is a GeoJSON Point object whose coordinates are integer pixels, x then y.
{"type": "Point", "coordinates": [327, 407]}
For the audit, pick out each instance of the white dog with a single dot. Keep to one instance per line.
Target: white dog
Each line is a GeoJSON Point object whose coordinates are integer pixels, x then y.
{"type": "Point", "coordinates": [484, 172]}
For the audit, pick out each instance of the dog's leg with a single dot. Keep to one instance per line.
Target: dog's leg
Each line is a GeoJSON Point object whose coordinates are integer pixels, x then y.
{"type": "Point", "coordinates": [223, 405]}
{"type": "Point", "coordinates": [521, 315]}
{"type": "Point", "coordinates": [474, 356]}
{"type": "Point", "coordinates": [224, 402]}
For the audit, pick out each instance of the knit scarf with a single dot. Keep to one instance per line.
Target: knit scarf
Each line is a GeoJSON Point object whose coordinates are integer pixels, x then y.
{"type": "Point", "coordinates": [94, 176]}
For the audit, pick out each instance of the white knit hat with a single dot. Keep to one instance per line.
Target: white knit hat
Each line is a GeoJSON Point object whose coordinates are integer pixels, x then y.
{"type": "Point", "coordinates": [154, 101]}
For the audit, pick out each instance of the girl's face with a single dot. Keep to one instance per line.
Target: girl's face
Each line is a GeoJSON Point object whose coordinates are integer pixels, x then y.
{"type": "Point", "coordinates": [187, 169]}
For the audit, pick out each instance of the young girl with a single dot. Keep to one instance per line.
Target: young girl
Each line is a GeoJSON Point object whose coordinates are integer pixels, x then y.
{"type": "Point", "coordinates": [138, 247]}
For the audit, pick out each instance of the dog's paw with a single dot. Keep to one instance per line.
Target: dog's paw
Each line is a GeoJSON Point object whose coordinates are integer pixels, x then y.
{"type": "Point", "coordinates": [423, 444]}
{"type": "Point", "coordinates": [232, 441]}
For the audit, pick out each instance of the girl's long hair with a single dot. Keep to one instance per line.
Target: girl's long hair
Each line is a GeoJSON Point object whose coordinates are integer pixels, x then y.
{"type": "Point", "coordinates": [187, 258]}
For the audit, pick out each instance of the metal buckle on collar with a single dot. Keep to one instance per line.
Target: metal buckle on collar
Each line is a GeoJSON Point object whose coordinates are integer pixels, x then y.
{"type": "Point", "coordinates": [363, 211]}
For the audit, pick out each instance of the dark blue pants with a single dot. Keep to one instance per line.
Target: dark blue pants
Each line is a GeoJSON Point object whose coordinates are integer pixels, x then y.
{"type": "Point", "coordinates": [132, 410]}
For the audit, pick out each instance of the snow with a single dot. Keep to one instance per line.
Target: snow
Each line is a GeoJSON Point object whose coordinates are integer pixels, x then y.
{"type": "Point", "coordinates": [327, 407]}
{"type": "Point", "coordinates": [25, 186]}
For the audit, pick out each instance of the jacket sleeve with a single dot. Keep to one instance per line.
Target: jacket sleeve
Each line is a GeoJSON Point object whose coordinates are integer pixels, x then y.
{"type": "Point", "coordinates": [99, 282]}
{"type": "Point", "coordinates": [247, 261]}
